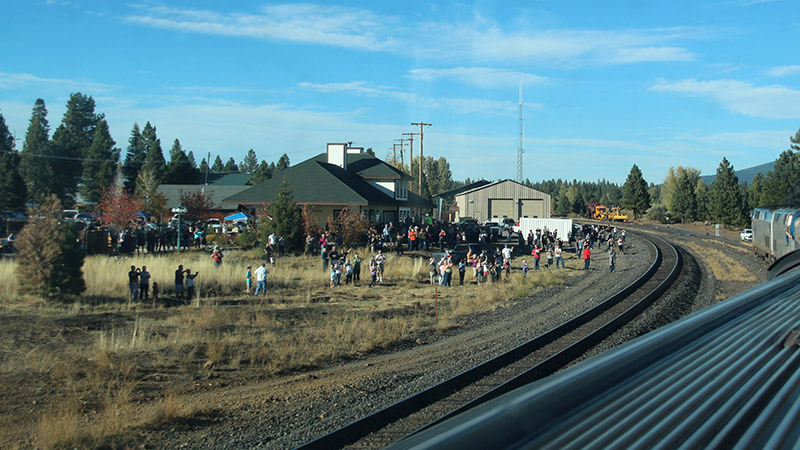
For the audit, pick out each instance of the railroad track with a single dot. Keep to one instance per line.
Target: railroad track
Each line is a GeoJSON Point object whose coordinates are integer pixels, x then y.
{"type": "Point", "coordinates": [535, 359]}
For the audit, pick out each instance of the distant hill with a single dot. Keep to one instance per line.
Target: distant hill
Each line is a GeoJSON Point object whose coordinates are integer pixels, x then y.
{"type": "Point", "coordinates": [744, 175]}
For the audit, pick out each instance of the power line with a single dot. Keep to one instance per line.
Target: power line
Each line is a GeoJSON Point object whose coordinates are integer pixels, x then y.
{"type": "Point", "coordinates": [67, 158]}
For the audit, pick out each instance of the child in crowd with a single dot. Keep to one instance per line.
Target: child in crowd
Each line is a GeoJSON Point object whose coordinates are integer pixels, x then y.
{"type": "Point", "coordinates": [524, 269]}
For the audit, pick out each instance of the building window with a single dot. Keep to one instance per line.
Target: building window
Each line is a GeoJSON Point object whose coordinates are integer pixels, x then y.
{"type": "Point", "coordinates": [401, 190]}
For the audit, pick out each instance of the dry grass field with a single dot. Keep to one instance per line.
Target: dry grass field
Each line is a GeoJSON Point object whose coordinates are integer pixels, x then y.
{"type": "Point", "coordinates": [92, 371]}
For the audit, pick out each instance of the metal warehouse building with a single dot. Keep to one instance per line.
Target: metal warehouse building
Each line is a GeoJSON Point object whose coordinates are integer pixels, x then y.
{"type": "Point", "coordinates": [502, 199]}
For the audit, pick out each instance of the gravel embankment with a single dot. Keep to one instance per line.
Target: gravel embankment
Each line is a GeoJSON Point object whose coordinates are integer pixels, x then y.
{"type": "Point", "coordinates": [288, 411]}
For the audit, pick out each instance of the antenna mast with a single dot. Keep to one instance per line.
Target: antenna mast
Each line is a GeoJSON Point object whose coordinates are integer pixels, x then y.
{"type": "Point", "coordinates": [520, 149]}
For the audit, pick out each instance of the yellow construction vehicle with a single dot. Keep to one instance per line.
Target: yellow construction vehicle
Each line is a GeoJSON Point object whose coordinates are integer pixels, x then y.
{"type": "Point", "coordinates": [600, 212]}
{"type": "Point", "coordinates": [615, 214]}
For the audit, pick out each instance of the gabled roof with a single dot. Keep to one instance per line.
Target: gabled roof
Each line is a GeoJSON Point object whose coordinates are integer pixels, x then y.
{"type": "Point", "coordinates": [317, 182]}
{"type": "Point", "coordinates": [488, 185]}
{"type": "Point", "coordinates": [459, 190]}
{"type": "Point", "coordinates": [369, 167]}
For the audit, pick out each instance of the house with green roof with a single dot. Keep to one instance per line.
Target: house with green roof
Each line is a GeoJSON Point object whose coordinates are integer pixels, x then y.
{"type": "Point", "coordinates": [216, 186]}
{"type": "Point", "coordinates": [344, 177]}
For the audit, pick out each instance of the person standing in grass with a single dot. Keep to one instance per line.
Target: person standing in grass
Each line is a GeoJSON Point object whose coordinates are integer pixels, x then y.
{"type": "Point", "coordinates": [179, 274]}
{"type": "Point", "coordinates": [144, 283]}
{"type": "Point", "coordinates": [356, 269]}
{"type": "Point", "coordinates": [462, 269]}
{"type": "Point", "coordinates": [559, 258]}
{"type": "Point", "coordinates": [249, 280]}
{"type": "Point", "coordinates": [217, 257]}
{"type": "Point", "coordinates": [380, 261]}
{"type": "Point", "coordinates": [261, 279]}
{"type": "Point", "coordinates": [587, 254]}
{"type": "Point", "coordinates": [190, 284]}
{"type": "Point", "coordinates": [524, 269]}
{"type": "Point", "coordinates": [133, 283]}
{"type": "Point", "coordinates": [373, 271]}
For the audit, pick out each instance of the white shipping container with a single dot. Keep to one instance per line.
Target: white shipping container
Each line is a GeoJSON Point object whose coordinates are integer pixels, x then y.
{"type": "Point", "coordinates": [564, 226]}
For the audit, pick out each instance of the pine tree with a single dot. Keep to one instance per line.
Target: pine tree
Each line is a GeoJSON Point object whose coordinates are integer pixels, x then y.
{"type": "Point", "coordinates": [634, 193]}
{"type": "Point", "coordinates": [192, 161]}
{"type": "Point", "coordinates": [754, 191]}
{"type": "Point", "coordinates": [134, 159]}
{"type": "Point", "coordinates": [50, 260]}
{"type": "Point", "coordinates": [35, 166]}
{"type": "Point", "coordinates": [286, 219]}
{"type": "Point", "coordinates": [154, 157]}
{"type": "Point", "coordinates": [230, 166]}
{"type": "Point", "coordinates": [283, 162]}
{"type": "Point", "coordinates": [684, 203]}
{"type": "Point", "coordinates": [218, 167]}
{"type": "Point", "coordinates": [70, 143]}
{"type": "Point", "coordinates": [262, 173]}
{"type": "Point", "coordinates": [725, 199]}
{"type": "Point", "coordinates": [180, 170]}
{"type": "Point", "coordinates": [795, 142]}
{"type": "Point", "coordinates": [782, 184]}
{"type": "Point", "coordinates": [100, 167]}
{"type": "Point", "coordinates": [13, 192]}
{"type": "Point", "coordinates": [250, 163]}
{"type": "Point", "coordinates": [203, 167]}
{"type": "Point", "coordinates": [562, 202]}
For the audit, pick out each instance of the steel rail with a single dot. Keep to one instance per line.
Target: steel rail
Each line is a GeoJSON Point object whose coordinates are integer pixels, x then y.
{"type": "Point", "coordinates": [727, 376]}
{"type": "Point", "coordinates": [380, 419]}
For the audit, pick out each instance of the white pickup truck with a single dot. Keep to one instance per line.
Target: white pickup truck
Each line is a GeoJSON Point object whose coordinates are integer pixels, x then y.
{"type": "Point", "coordinates": [746, 235]}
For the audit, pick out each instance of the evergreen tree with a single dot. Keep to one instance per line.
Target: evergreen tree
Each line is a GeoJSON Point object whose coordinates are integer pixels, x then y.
{"type": "Point", "coordinates": [262, 173]}
{"type": "Point", "coordinates": [180, 170]}
{"type": "Point", "coordinates": [283, 162]}
{"type": "Point", "coordinates": [782, 184]}
{"type": "Point", "coordinates": [203, 167]}
{"type": "Point", "coordinates": [154, 157]}
{"type": "Point", "coordinates": [35, 165]}
{"type": "Point", "coordinates": [134, 159]}
{"type": "Point", "coordinates": [370, 151]}
{"type": "Point", "coordinates": [563, 205]}
{"type": "Point", "coordinates": [218, 167]}
{"type": "Point", "coordinates": [754, 191]}
{"type": "Point", "coordinates": [50, 260]}
{"type": "Point", "coordinates": [100, 167]}
{"type": "Point", "coordinates": [249, 163]}
{"type": "Point", "coordinates": [71, 142]}
{"type": "Point", "coordinates": [13, 192]}
{"type": "Point", "coordinates": [795, 142]}
{"type": "Point", "coordinates": [192, 161]}
{"type": "Point", "coordinates": [684, 203]}
{"type": "Point", "coordinates": [634, 193]}
{"type": "Point", "coordinates": [286, 218]}
{"type": "Point", "coordinates": [725, 200]}
{"type": "Point", "coordinates": [230, 166]}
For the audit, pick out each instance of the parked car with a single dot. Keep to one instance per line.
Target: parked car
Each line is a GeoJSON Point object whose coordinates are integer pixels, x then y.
{"type": "Point", "coordinates": [213, 225]}
{"type": "Point", "coordinates": [746, 235]}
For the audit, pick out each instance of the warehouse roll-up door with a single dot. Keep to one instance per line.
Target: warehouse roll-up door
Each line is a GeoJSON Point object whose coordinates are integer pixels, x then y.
{"type": "Point", "coordinates": [501, 207]}
{"type": "Point", "coordinates": [531, 208]}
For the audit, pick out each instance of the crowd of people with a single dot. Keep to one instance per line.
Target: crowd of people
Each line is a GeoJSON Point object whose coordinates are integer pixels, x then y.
{"type": "Point", "coordinates": [344, 266]}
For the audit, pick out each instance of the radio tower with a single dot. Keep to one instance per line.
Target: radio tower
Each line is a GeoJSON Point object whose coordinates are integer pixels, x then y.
{"type": "Point", "coordinates": [520, 150]}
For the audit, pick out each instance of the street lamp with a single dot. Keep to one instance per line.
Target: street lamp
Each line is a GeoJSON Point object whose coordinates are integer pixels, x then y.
{"type": "Point", "coordinates": [179, 210]}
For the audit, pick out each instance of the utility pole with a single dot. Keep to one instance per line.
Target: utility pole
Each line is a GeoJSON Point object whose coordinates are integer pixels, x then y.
{"type": "Point", "coordinates": [402, 143]}
{"type": "Point", "coordinates": [421, 124]}
{"type": "Point", "coordinates": [411, 150]}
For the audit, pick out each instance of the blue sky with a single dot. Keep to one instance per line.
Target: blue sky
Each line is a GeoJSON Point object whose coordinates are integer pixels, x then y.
{"type": "Point", "coordinates": [606, 84]}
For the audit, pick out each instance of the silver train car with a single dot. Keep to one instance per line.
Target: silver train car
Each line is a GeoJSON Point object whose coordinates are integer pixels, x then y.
{"type": "Point", "coordinates": [775, 232]}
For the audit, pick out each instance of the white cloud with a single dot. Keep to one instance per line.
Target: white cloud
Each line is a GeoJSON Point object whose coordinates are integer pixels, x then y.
{"type": "Point", "coordinates": [784, 71]}
{"type": "Point", "coordinates": [773, 102]}
{"type": "Point", "coordinates": [457, 105]}
{"type": "Point", "coordinates": [306, 23]}
{"type": "Point", "coordinates": [480, 40]}
{"type": "Point", "coordinates": [482, 77]}
{"type": "Point", "coordinates": [25, 80]}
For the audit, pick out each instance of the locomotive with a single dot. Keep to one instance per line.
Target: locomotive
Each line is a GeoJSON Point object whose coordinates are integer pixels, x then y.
{"type": "Point", "coordinates": [775, 232]}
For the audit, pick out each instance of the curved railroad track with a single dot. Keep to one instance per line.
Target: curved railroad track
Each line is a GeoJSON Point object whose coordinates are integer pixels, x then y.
{"type": "Point", "coordinates": [537, 358]}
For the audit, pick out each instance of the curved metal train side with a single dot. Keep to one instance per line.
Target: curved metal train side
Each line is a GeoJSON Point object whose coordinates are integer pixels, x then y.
{"type": "Point", "coordinates": [769, 225]}
{"type": "Point", "coordinates": [727, 376]}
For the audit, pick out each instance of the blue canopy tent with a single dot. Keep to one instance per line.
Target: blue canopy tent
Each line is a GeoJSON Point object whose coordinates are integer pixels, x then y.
{"type": "Point", "coordinates": [239, 216]}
